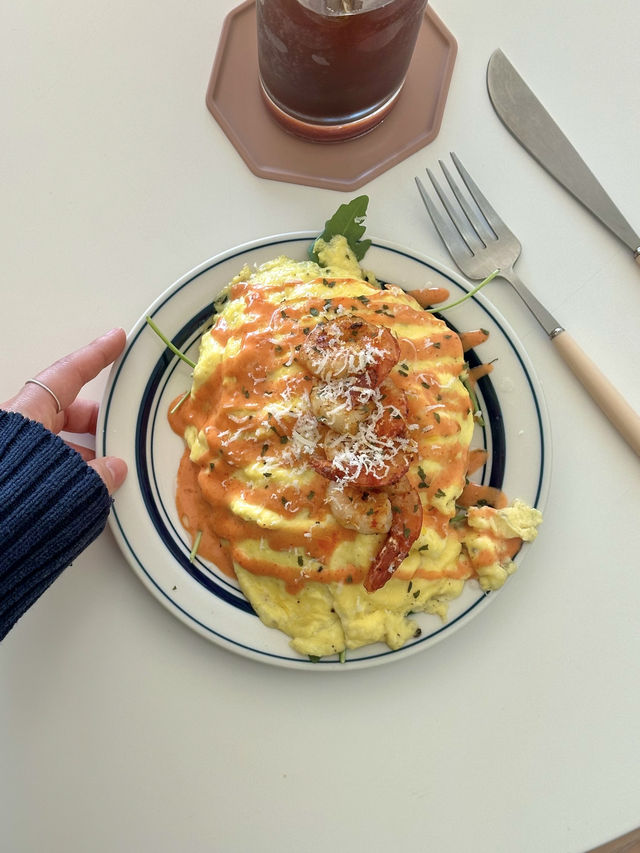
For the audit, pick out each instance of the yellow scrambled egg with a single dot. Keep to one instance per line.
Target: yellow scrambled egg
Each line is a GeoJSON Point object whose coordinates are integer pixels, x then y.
{"type": "Point", "coordinates": [251, 487]}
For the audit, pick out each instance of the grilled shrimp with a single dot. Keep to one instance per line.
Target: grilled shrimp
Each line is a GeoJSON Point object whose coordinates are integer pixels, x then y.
{"type": "Point", "coordinates": [405, 528]}
{"type": "Point", "coordinates": [363, 467]}
{"type": "Point", "coordinates": [378, 454]}
{"type": "Point", "coordinates": [341, 405]}
{"type": "Point", "coordinates": [360, 510]}
{"type": "Point", "coordinates": [349, 346]}
{"type": "Point", "coordinates": [395, 510]}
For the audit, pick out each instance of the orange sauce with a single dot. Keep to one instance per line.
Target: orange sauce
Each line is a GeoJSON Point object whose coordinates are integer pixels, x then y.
{"type": "Point", "coordinates": [473, 339]}
{"type": "Point", "coordinates": [230, 409]}
{"type": "Point", "coordinates": [474, 494]}
{"type": "Point", "coordinates": [477, 459]}
{"type": "Point", "coordinates": [428, 296]}
{"type": "Point", "coordinates": [478, 372]}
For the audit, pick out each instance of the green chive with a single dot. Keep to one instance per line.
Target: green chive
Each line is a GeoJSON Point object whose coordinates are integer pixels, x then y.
{"type": "Point", "coordinates": [196, 545]}
{"type": "Point", "coordinates": [168, 343]}
{"type": "Point", "coordinates": [180, 402]}
{"type": "Point", "coordinates": [467, 295]}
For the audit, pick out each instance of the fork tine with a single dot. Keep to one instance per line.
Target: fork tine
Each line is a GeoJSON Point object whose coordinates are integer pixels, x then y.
{"type": "Point", "coordinates": [470, 237]}
{"type": "Point", "coordinates": [477, 222]}
{"type": "Point", "coordinates": [448, 233]}
{"type": "Point", "coordinates": [488, 212]}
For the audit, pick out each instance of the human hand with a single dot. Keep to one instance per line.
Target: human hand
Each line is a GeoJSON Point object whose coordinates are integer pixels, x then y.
{"type": "Point", "coordinates": [58, 407]}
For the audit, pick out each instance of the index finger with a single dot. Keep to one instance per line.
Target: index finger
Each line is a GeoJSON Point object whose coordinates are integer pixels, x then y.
{"type": "Point", "coordinates": [67, 376]}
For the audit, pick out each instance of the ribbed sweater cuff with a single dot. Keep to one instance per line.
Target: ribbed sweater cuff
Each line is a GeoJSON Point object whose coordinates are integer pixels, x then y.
{"type": "Point", "coordinates": [52, 506]}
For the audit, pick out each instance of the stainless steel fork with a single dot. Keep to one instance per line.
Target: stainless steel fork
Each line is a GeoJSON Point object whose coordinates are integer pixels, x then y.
{"type": "Point", "coordinates": [480, 243]}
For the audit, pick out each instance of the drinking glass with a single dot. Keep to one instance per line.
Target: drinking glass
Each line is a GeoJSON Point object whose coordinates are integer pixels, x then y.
{"type": "Point", "coordinates": [333, 69]}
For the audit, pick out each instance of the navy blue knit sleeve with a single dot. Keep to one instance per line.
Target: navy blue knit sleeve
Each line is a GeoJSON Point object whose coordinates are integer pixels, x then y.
{"type": "Point", "coordinates": [52, 506]}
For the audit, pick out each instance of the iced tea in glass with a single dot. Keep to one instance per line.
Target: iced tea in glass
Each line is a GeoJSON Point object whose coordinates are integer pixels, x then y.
{"type": "Point", "coordinates": [332, 69]}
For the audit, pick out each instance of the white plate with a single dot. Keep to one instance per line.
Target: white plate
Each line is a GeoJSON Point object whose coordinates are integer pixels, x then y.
{"type": "Point", "coordinates": [133, 424]}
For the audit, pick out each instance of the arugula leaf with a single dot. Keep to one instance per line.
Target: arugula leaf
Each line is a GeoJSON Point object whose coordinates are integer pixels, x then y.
{"type": "Point", "coordinates": [347, 220]}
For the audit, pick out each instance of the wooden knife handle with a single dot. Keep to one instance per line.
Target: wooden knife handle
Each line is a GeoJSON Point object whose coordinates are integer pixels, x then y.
{"type": "Point", "coordinates": [612, 403]}
{"type": "Point", "coordinates": [638, 258]}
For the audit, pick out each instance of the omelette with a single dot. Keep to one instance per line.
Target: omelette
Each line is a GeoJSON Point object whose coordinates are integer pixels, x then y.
{"type": "Point", "coordinates": [327, 451]}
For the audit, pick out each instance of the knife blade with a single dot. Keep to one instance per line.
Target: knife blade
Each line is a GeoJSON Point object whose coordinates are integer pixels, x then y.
{"type": "Point", "coordinates": [529, 122]}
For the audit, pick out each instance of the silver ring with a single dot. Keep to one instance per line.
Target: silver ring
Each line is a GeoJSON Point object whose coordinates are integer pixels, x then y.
{"type": "Point", "coordinates": [46, 388]}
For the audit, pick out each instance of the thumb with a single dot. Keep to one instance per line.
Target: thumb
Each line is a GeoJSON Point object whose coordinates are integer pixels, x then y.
{"type": "Point", "coordinates": [111, 470]}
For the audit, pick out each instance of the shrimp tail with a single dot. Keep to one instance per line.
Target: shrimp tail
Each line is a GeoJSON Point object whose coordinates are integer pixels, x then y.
{"type": "Point", "coordinates": [405, 529]}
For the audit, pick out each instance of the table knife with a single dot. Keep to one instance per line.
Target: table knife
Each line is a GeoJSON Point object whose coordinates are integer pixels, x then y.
{"type": "Point", "coordinates": [525, 117]}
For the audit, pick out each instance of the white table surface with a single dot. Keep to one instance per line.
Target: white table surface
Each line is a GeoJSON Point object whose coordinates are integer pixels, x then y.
{"type": "Point", "coordinates": [122, 729]}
